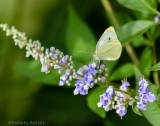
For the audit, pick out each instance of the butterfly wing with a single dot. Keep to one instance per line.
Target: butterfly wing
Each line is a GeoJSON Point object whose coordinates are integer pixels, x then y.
{"type": "Point", "coordinates": [108, 34]}
{"type": "Point", "coordinates": [110, 50]}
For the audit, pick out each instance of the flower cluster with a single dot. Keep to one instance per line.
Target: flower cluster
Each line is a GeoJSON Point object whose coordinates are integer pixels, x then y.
{"type": "Point", "coordinates": [145, 95]}
{"type": "Point", "coordinates": [118, 100]}
{"type": "Point", "coordinates": [89, 75]}
{"type": "Point", "coordinates": [49, 57]}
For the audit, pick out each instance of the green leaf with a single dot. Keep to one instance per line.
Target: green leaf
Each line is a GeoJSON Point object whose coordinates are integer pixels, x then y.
{"type": "Point", "coordinates": [33, 70]}
{"type": "Point", "coordinates": [79, 37]}
{"type": "Point", "coordinates": [124, 71]}
{"type": "Point", "coordinates": [136, 110]}
{"type": "Point", "coordinates": [155, 32]}
{"type": "Point", "coordinates": [131, 30]}
{"type": "Point", "coordinates": [140, 41]}
{"type": "Point", "coordinates": [147, 6]}
{"type": "Point", "coordinates": [156, 67]}
{"type": "Point", "coordinates": [146, 60]}
{"type": "Point", "coordinates": [152, 112]}
{"type": "Point", "coordinates": [93, 98]}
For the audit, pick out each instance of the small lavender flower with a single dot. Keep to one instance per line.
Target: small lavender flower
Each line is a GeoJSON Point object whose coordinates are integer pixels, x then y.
{"type": "Point", "coordinates": [65, 60]}
{"type": "Point", "coordinates": [121, 110]}
{"type": "Point", "coordinates": [156, 18]}
{"type": "Point", "coordinates": [81, 88]}
{"type": "Point", "coordinates": [45, 68]}
{"type": "Point", "coordinates": [141, 105]}
{"type": "Point", "coordinates": [87, 76]}
{"type": "Point", "coordinates": [106, 99]}
{"type": "Point", "coordinates": [63, 79]}
{"type": "Point", "coordinates": [145, 95]}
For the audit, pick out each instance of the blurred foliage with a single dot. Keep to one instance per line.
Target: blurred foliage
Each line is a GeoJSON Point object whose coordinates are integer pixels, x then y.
{"type": "Point", "coordinates": [73, 26]}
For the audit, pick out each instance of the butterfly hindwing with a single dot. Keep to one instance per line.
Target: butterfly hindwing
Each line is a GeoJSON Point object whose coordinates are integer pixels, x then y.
{"type": "Point", "coordinates": [110, 50]}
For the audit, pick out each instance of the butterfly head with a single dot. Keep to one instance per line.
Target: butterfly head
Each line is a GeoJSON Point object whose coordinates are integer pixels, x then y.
{"type": "Point", "coordinates": [95, 56]}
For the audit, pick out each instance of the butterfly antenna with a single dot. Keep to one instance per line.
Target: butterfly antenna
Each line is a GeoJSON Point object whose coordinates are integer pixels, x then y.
{"type": "Point", "coordinates": [85, 52]}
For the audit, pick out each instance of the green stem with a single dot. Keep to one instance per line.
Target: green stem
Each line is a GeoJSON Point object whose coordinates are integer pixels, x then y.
{"type": "Point", "coordinates": [106, 4]}
{"type": "Point", "coordinates": [155, 73]}
{"type": "Point", "coordinates": [116, 89]}
{"type": "Point", "coordinates": [154, 61]}
{"type": "Point", "coordinates": [158, 102]}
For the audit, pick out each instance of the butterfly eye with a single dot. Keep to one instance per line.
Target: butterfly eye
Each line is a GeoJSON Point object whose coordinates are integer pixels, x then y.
{"type": "Point", "coordinates": [109, 38]}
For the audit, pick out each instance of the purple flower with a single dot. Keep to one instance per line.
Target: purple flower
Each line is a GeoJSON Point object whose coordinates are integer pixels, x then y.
{"type": "Point", "coordinates": [54, 56]}
{"type": "Point", "coordinates": [81, 88]}
{"type": "Point", "coordinates": [144, 94]}
{"type": "Point", "coordinates": [156, 18]}
{"type": "Point", "coordinates": [121, 110]}
{"type": "Point", "coordinates": [64, 61]}
{"type": "Point", "coordinates": [143, 90]}
{"type": "Point", "coordinates": [102, 68]}
{"type": "Point", "coordinates": [151, 97]}
{"type": "Point", "coordinates": [106, 98]}
{"type": "Point", "coordinates": [109, 93]}
{"type": "Point", "coordinates": [63, 79]}
{"type": "Point", "coordinates": [45, 68]}
{"type": "Point", "coordinates": [141, 105]}
{"type": "Point", "coordinates": [142, 82]}
{"type": "Point", "coordinates": [87, 76]}
{"type": "Point", "coordinates": [125, 85]}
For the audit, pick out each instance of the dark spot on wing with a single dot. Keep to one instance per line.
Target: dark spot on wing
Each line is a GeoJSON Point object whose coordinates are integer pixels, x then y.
{"type": "Point", "coordinates": [109, 38]}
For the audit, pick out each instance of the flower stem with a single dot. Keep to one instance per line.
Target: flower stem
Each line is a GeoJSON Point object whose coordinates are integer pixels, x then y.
{"type": "Point", "coordinates": [116, 89]}
{"type": "Point", "coordinates": [113, 17]}
{"type": "Point", "coordinates": [158, 102]}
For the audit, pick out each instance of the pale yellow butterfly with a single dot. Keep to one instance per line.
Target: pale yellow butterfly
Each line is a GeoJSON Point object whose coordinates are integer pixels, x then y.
{"type": "Point", "coordinates": [108, 46]}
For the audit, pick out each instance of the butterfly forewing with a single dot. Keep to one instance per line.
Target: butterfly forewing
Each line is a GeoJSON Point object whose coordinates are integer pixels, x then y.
{"type": "Point", "coordinates": [108, 34]}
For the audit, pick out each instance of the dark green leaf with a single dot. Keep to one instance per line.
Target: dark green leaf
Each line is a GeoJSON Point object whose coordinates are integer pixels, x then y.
{"type": "Point", "coordinates": [155, 67]}
{"type": "Point", "coordinates": [146, 60]}
{"type": "Point", "coordinates": [147, 6]}
{"type": "Point", "coordinates": [124, 71]}
{"type": "Point", "coordinates": [131, 30]}
{"type": "Point", "coordinates": [143, 16]}
{"type": "Point", "coordinates": [93, 98]}
{"type": "Point", "coordinates": [79, 38]}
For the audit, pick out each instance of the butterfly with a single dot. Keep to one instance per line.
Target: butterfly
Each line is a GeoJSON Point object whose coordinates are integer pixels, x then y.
{"type": "Point", "coordinates": [108, 46]}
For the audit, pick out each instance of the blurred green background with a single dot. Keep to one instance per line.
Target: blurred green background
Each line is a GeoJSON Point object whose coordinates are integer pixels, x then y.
{"type": "Point", "coordinates": [26, 94]}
